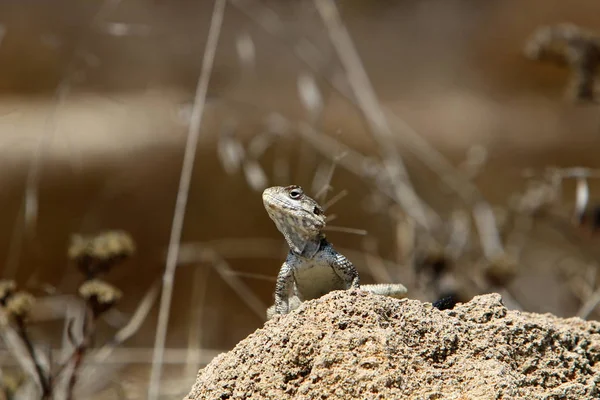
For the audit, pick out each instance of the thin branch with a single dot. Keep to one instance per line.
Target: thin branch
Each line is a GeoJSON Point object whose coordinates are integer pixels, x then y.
{"type": "Point", "coordinates": [354, 231]}
{"type": "Point", "coordinates": [325, 187]}
{"type": "Point", "coordinates": [197, 304]}
{"type": "Point", "coordinates": [45, 382]}
{"type": "Point", "coordinates": [230, 277]}
{"type": "Point", "coordinates": [590, 305]}
{"type": "Point", "coordinates": [80, 351]}
{"type": "Point", "coordinates": [134, 324]}
{"type": "Point", "coordinates": [335, 199]}
{"type": "Point", "coordinates": [182, 195]}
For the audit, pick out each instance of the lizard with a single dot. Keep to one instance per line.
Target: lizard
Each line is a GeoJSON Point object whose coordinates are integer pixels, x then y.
{"type": "Point", "coordinates": [312, 267]}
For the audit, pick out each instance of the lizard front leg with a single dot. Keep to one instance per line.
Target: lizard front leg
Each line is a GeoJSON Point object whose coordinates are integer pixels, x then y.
{"type": "Point", "coordinates": [344, 269]}
{"type": "Point", "coordinates": [283, 288]}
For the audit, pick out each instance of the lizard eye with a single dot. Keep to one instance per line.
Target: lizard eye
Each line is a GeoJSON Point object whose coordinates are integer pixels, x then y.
{"type": "Point", "coordinates": [295, 194]}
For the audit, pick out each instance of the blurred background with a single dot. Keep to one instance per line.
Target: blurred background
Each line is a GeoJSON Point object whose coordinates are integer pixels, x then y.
{"type": "Point", "coordinates": [95, 107]}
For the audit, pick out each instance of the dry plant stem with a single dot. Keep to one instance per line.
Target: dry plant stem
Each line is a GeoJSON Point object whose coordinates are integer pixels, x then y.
{"type": "Point", "coordinates": [197, 302]}
{"type": "Point", "coordinates": [45, 382]}
{"type": "Point", "coordinates": [582, 197]}
{"type": "Point", "coordinates": [335, 199]}
{"type": "Point", "coordinates": [192, 252]}
{"type": "Point", "coordinates": [105, 354]}
{"type": "Point", "coordinates": [134, 323]}
{"type": "Point", "coordinates": [590, 305]}
{"type": "Point", "coordinates": [353, 231]}
{"type": "Point", "coordinates": [321, 193]}
{"type": "Point", "coordinates": [369, 105]}
{"type": "Point", "coordinates": [489, 238]}
{"type": "Point", "coordinates": [228, 275]}
{"type": "Point", "coordinates": [182, 195]}
{"type": "Point", "coordinates": [81, 350]}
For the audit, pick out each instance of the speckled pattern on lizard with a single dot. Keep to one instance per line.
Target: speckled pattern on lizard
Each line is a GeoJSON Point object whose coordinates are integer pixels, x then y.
{"type": "Point", "coordinates": [312, 267]}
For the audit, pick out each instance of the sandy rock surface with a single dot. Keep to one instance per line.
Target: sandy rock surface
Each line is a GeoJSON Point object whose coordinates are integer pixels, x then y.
{"type": "Point", "coordinates": [355, 345]}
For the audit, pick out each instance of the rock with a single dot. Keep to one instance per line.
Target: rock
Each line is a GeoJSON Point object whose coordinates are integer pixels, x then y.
{"type": "Point", "coordinates": [355, 345]}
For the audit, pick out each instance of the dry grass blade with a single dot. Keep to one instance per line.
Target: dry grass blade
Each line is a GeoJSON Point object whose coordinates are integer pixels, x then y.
{"type": "Point", "coordinates": [327, 146]}
{"type": "Point", "coordinates": [19, 351]}
{"type": "Point", "coordinates": [343, 229]}
{"type": "Point", "coordinates": [460, 232]}
{"type": "Point", "coordinates": [229, 276]}
{"type": "Point", "coordinates": [255, 175]}
{"type": "Point", "coordinates": [310, 96]}
{"type": "Point", "coordinates": [590, 305]}
{"type": "Point", "coordinates": [74, 316]}
{"type": "Point", "coordinates": [229, 148]}
{"type": "Point", "coordinates": [136, 321]}
{"type": "Point", "coordinates": [246, 51]}
{"type": "Point", "coordinates": [335, 199]}
{"type": "Point", "coordinates": [582, 196]}
{"type": "Point", "coordinates": [182, 195]}
{"type": "Point", "coordinates": [259, 144]}
{"type": "Point", "coordinates": [369, 105]}
{"type": "Point", "coordinates": [232, 248]}
{"type": "Point", "coordinates": [489, 237]}
{"type": "Point", "coordinates": [322, 179]}
{"type": "Point", "coordinates": [197, 303]}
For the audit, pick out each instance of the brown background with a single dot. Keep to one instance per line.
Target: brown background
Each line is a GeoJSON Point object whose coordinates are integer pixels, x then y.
{"type": "Point", "coordinates": [452, 69]}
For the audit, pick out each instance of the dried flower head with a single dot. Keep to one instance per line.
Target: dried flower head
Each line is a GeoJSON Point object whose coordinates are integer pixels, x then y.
{"type": "Point", "coordinates": [567, 44]}
{"type": "Point", "coordinates": [7, 289]}
{"type": "Point", "coordinates": [100, 295]}
{"type": "Point", "coordinates": [97, 254]}
{"type": "Point", "coordinates": [112, 244]}
{"type": "Point", "coordinates": [553, 42]}
{"type": "Point", "coordinates": [19, 305]}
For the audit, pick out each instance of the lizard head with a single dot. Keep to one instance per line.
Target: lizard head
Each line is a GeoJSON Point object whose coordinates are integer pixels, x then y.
{"type": "Point", "coordinates": [297, 216]}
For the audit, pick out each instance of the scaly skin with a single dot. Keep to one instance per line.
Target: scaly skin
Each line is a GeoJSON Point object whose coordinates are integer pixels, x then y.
{"type": "Point", "coordinates": [313, 267]}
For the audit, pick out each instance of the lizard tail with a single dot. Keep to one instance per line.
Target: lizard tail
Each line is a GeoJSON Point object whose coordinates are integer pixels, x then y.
{"type": "Point", "coordinates": [395, 290]}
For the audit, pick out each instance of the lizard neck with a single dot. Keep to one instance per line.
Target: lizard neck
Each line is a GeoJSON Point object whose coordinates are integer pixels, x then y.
{"type": "Point", "coordinates": [305, 247]}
